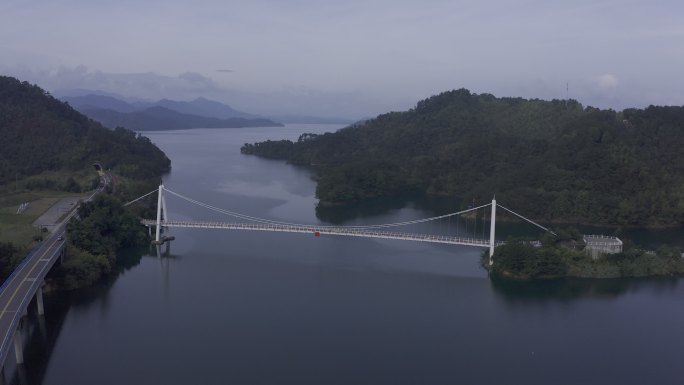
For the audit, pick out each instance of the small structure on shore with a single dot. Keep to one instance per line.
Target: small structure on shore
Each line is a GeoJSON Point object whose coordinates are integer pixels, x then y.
{"type": "Point", "coordinates": [597, 245]}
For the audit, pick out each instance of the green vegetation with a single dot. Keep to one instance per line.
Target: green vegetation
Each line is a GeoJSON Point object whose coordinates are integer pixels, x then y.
{"type": "Point", "coordinates": [102, 228]}
{"type": "Point", "coordinates": [562, 257]}
{"type": "Point", "coordinates": [48, 152]}
{"type": "Point", "coordinates": [555, 161]}
{"type": "Point", "coordinates": [17, 233]}
{"type": "Point", "coordinates": [40, 133]}
{"type": "Point", "coordinates": [18, 228]}
{"type": "Point", "coordinates": [9, 258]}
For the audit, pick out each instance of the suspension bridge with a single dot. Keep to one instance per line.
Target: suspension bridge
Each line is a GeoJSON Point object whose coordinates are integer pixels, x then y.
{"type": "Point", "coordinates": [382, 231]}
{"type": "Point", "coordinates": [27, 279]}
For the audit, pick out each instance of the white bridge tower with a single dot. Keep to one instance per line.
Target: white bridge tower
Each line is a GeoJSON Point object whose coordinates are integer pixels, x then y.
{"type": "Point", "coordinates": [492, 228]}
{"type": "Point", "coordinates": [162, 213]}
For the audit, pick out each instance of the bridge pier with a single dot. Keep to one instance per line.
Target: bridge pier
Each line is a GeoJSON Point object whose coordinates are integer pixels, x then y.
{"type": "Point", "coordinates": [39, 300]}
{"type": "Point", "coordinates": [19, 346]}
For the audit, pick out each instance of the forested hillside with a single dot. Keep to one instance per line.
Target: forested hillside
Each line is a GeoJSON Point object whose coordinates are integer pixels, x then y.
{"type": "Point", "coordinates": [40, 133]}
{"type": "Point", "coordinates": [554, 160]}
{"type": "Point", "coordinates": [44, 144]}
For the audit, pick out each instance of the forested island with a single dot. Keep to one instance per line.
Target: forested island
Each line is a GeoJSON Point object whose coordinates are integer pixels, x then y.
{"type": "Point", "coordinates": [48, 147]}
{"type": "Point", "coordinates": [556, 161]}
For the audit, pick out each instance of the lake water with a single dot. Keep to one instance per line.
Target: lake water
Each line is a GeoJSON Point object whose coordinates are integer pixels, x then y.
{"type": "Point", "coordinates": [229, 307]}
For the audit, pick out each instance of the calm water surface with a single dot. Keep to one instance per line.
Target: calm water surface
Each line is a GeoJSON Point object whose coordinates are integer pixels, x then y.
{"type": "Point", "coordinates": [269, 308]}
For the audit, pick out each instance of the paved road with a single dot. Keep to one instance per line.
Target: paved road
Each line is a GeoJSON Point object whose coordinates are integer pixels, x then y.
{"type": "Point", "coordinates": [20, 287]}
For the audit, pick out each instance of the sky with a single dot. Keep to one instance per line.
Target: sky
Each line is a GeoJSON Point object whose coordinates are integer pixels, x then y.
{"type": "Point", "coordinates": [351, 58]}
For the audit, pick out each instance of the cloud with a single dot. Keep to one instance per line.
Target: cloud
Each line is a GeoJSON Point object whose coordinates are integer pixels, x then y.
{"type": "Point", "coordinates": [608, 81]}
{"type": "Point", "coordinates": [194, 77]}
{"type": "Point", "coordinates": [146, 85]}
{"type": "Point", "coordinates": [384, 54]}
{"type": "Point", "coordinates": [68, 81]}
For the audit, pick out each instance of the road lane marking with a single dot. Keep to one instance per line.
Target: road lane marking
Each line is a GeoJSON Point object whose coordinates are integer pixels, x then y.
{"type": "Point", "coordinates": [9, 301]}
{"type": "Point", "coordinates": [27, 274]}
{"type": "Point", "coordinates": [35, 264]}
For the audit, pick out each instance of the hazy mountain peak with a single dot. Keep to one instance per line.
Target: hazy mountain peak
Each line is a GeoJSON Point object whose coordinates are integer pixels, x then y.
{"type": "Point", "coordinates": [93, 99]}
{"type": "Point", "coordinates": [99, 101]}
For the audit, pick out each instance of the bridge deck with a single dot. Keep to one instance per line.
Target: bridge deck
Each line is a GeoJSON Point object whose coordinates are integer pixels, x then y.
{"type": "Point", "coordinates": [343, 231]}
{"type": "Point", "coordinates": [18, 290]}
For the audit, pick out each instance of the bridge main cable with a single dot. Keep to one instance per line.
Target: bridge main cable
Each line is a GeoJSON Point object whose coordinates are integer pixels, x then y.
{"type": "Point", "coordinates": [529, 220]}
{"type": "Point", "coordinates": [139, 198]}
{"type": "Point", "coordinates": [272, 222]}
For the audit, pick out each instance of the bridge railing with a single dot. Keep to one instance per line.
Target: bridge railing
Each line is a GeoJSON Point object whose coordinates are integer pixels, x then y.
{"type": "Point", "coordinates": [26, 299]}
{"type": "Point", "coordinates": [607, 237]}
{"type": "Point", "coordinates": [325, 230]}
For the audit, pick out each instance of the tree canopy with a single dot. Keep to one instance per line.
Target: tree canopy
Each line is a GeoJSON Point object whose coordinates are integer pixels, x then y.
{"type": "Point", "coordinates": [40, 133]}
{"type": "Point", "coordinates": [101, 228]}
{"type": "Point", "coordinates": [556, 258]}
{"type": "Point", "coordinates": [556, 160]}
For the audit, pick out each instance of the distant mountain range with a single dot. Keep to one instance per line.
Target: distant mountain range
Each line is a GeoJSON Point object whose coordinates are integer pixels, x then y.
{"type": "Point", "coordinates": [201, 107]}
{"type": "Point", "coordinates": [159, 118]}
{"type": "Point", "coordinates": [166, 114]}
